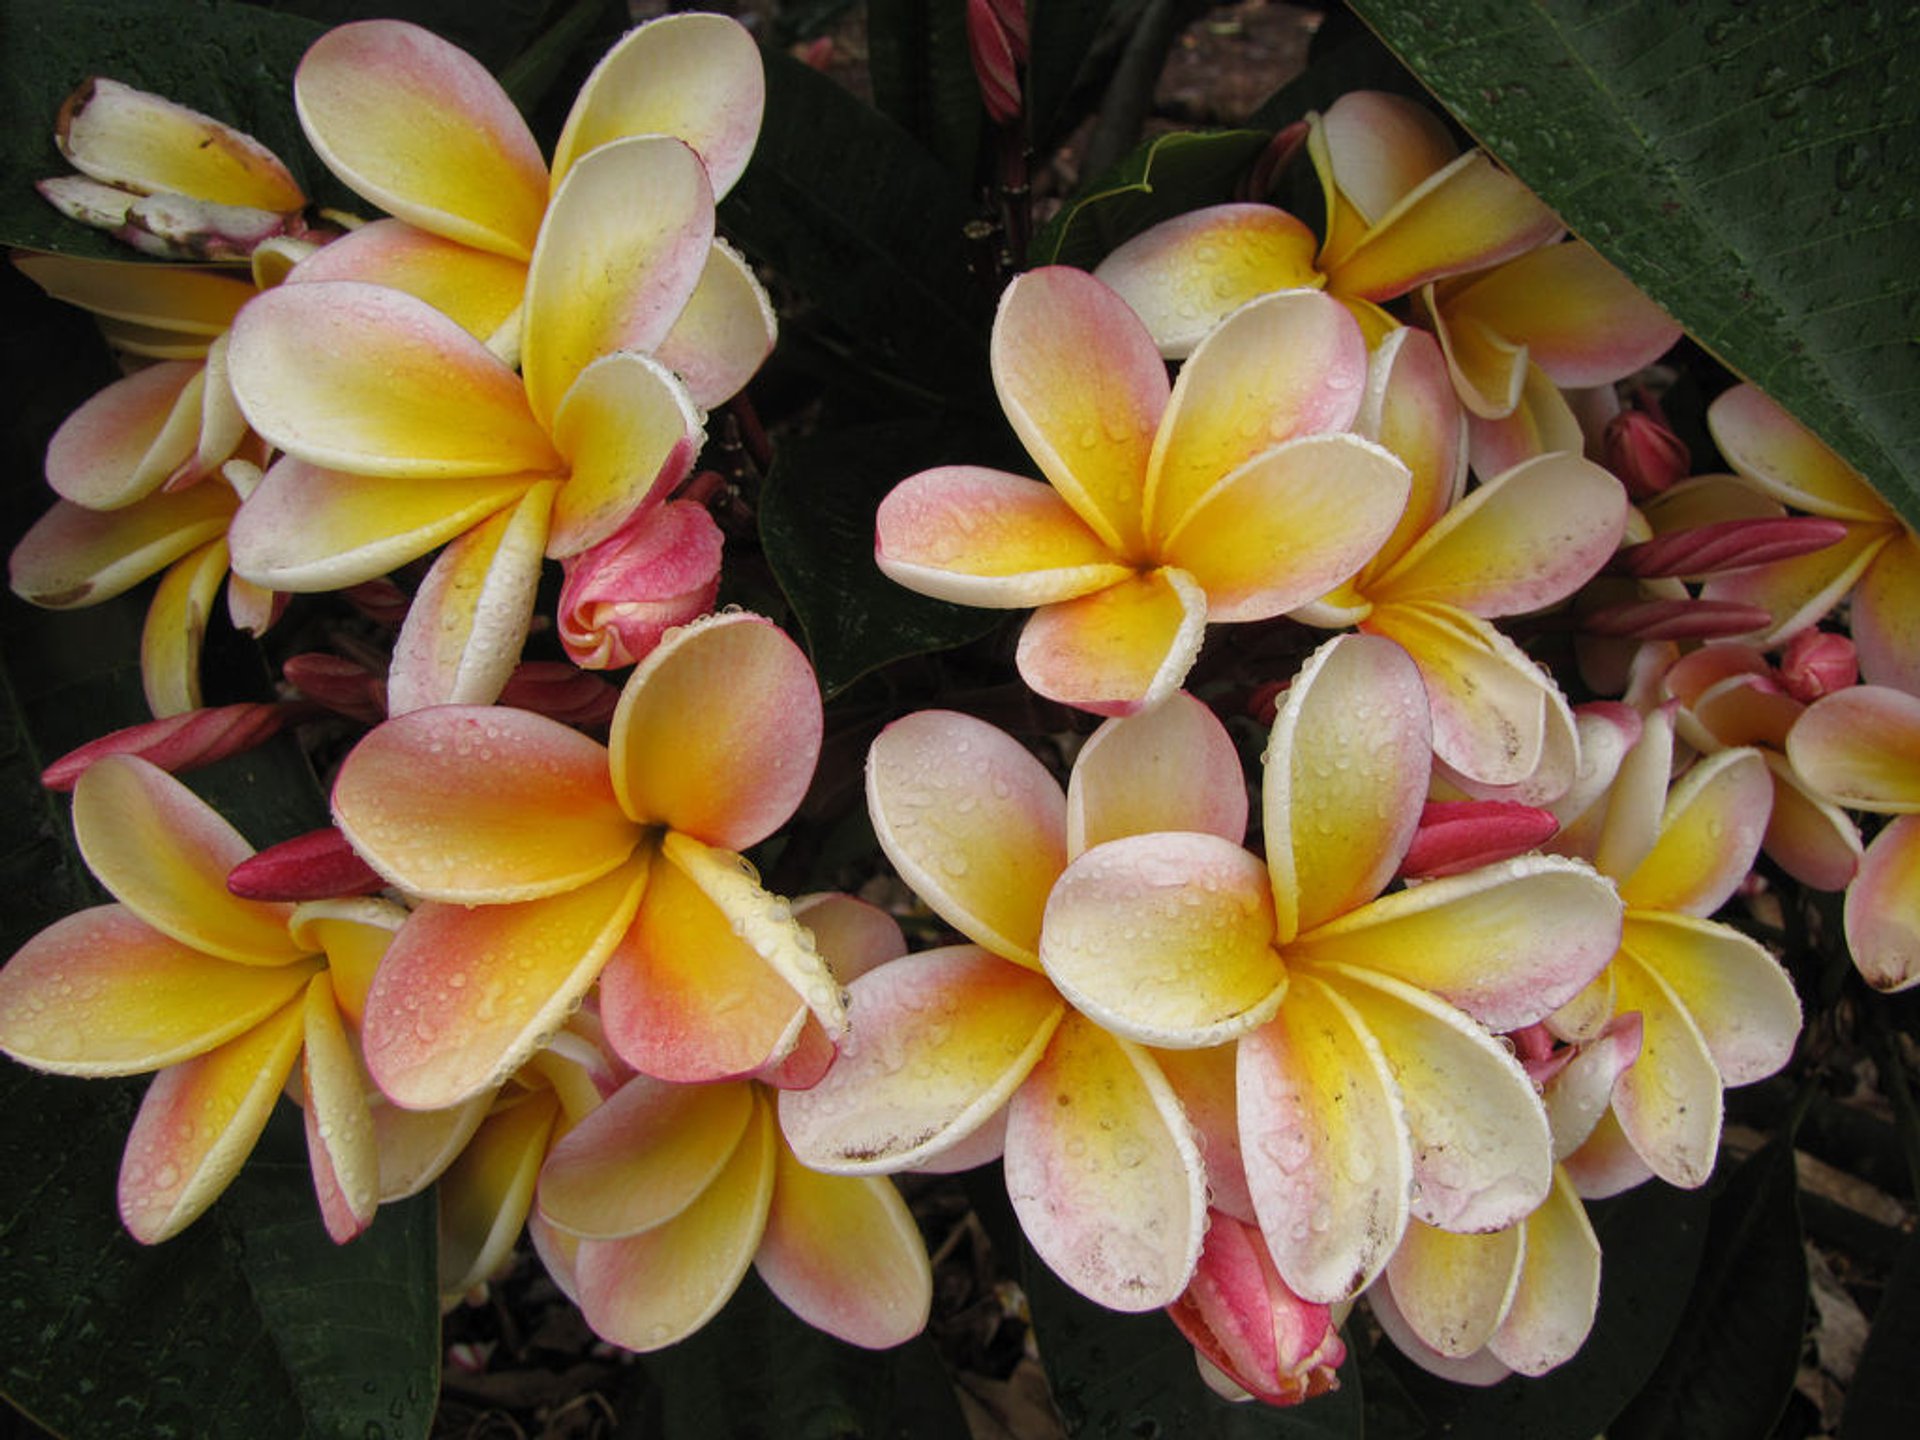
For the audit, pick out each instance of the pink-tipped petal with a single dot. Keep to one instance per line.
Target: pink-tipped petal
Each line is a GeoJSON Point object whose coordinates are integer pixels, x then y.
{"type": "Point", "coordinates": [1166, 939]}
{"type": "Point", "coordinates": [1173, 767]}
{"type": "Point", "coordinates": [198, 1123]}
{"type": "Point", "coordinates": [1786, 460]}
{"type": "Point", "coordinates": [1325, 1142]}
{"type": "Point", "coordinates": [1119, 650]}
{"type": "Point", "coordinates": [462, 636]}
{"type": "Point", "coordinates": [630, 432]}
{"type": "Point", "coordinates": [1859, 747]}
{"type": "Point", "coordinates": [1379, 147]}
{"type": "Point", "coordinates": [689, 754]}
{"type": "Point", "coordinates": [724, 333]}
{"type": "Point", "coordinates": [1103, 1171]}
{"type": "Point", "coordinates": [1478, 1369]}
{"type": "Point", "coordinates": [1282, 367]}
{"type": "Point", "coordinates": [1886, 616]}
{"type": "Point", "coordinates": [478, 289]}
{"type": "Point", "coordinates": [649, 1290]}
{"type": "Point", "coordinates": [1453, 1289]}
{"type": "Point", "coordinates": [622, 249]}
{"type": "Point", "coordinates": [360, 378]}
{"type": "Point", "coordinates": [128, 438]}
{"type": "Point", "coordinates": [417, 1146]}
{"type": "Point", "coordinates": [1185, 275]}
{"type": "Point", "coordinates": [1577, 1098]}
{"type": "Point", "coordinates": [1507, 944]}
{"type": "Point", "coordinates": [1084, 389]}
{"type": "Point", "coordinates": [74, 556]}
{"type": "Point", "coordinates": [340, 1136]}
{"type": "Point", "coordinates": [103, 993]}
{"type": "Point", "coordinates": [1737, 995]}
{"type": "Point", "coordinates": [1812, 839]}
{"type": "Point", "coordinates": [1881, 905]}
{"type": "Point", "coordinates": [938, 1042]}
{"type": "Point", "coordinates": [983, 537]}
{"type": "Point", "coordinates": [1669, 1102]}
{"type": "Point", "coordinates": [842, 1252]}
{"type": "Point", "coordinates": [1607, 1164]}
{"type": "Point", "coordinates": [418, 127]}
{"type": "Point", "coordinates": [1714, 821]}
{"type": "Point", "coordinates": [1346, 774]}
{"type": "Point", "coordinates": [974, 824]}
{"type": "Point", "coordinates": [1205, 1082]}
{"type": "Point", "coordinates": [643, 1157]}
{"type": "Point", "coordinates": [467, 993]}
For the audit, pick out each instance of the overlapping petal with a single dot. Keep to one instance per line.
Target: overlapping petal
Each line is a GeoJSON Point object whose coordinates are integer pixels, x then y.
{"type": "Point", "coordinates": [1715, 819]}
{"type": "Point", "coordinates": [75, 556]}
{"type": "Point", "coordinates": [479, 289]}
{"type": "Point", "coordinates": [341, 1145]}
{"type": "Point", "coordinates": [1118, 650]}
{"type": "Point", "coordinates": [1553, 1306]}
{"type": "Point", "coordinates": [1861, 747]}
{"type": "Point", "coordinates": [1454, 1290]}
{"type": "Point", "coordinates": [725, 331]}
{"type": "Point", "coordinates": [1736, 994]}
{"type": "Point", "coordinates": [191, 304]}
{"type": "Point", "coordinates": [1881, 905]}
{"type": "Point", "coordinates": [1786, 460]}
{"type": "Point", "coordinates": [630, 434]}
{"type": "Point", "coordinates": [126, 440]}
{"type": "Point", "coordinates": [1669, 1102]}
{"type": "Point", "coordinates": [485, 1195]}
{"type": "Point", "coordinates": [176, 625]}
{"type": "Point", "coordinates": [1174, 767]}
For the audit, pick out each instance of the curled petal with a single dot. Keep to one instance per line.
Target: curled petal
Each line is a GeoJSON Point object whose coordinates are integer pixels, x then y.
{"type": "Point", "coordinates": [1173, 767]}
{"type": "Point", "coordinates": [726, 330]}
{"type": "Point", "coordinates": [103, 993]}
{"type": "Point", "coordinates": [129, 438]}
{"type": "Point", "coordinates": [340, 1136]}
{"type": "Point", "coordinates": [1346, 771]}
{"type": "Point", "coordinates": [1859, 747]}
{"type": "Point", "coordinates": [1737, 995]}
{"type": "Point", "coordinates": [1103, 1171]}
{"type": "Point", "coordinates": [973, 822]}
{"type": "Point", "coordinates": [1185, 275]}
{"type": "Point", "coordinates": [842, 1252]}
{"type": "Point", "coordinates": [198, 1123]}
{"type": "Point", "coordinates": [372, 381]}
{"type": "Point", "coordinates": [418, 127]}
{"type": "Point", "coordinates": [1559, 1290]}
{"type": "Point", "coordinates": [686, 752]}
{"type": "Point", "coordinates": [983, 537]}
{"type": "Point", "coordinates": [1118, 650]}
{"type": "Point", "coordinates": [74, 556]}
{"type": "Point", "coordinates": [651, 1289]}
{"type": "Point", "coordinates": [408, 800]}
{"type": "Point", "coordinates": [1454, 1290]}
{"type": "Point", "coordinates": [486, 1194]}
{"type": "Point", "coordinates": [643, 1157]}
{"type": "Point", "coordinates": [1084, 389]}
{"type": "Point", "coordinates": [1709, 835]}
{"type": "Point", "coordinates": [1166, 939]}
{"type": "Point", "coordinates": [1479, 1368]}
{"type": "Point", "coordinates": [1669, 1102]}
{"type": "Point", "coordinates": [467, 993]}
{"type": "Point", "coordinates": [1578, 1096]}
{"type": "Point", "coordinates": [1881, 905]}
{"type": "Point", "coordinates": [1507, 944]}
{"type": "Point", "coordinates": [145, 143]}
{"type": "Point", "coordinates": [176, 625]}
{"type": "Point", "coordinates": [937, 1043]}
{"type": "Point", "coordinates": [630, 433]}
{"type": "Point", "coordinates": [1378, 148]}
{"type": "Point", "coordinates": [1409, 407]}
{"type": "Point", "coordinates": [1786, 460]}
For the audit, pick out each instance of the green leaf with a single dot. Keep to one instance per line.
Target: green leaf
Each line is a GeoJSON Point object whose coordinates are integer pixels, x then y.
{"type": "Point", "coordinates": [1752, 167]}
{"type": "Point", "coordinates": [923, 76]}
{"type": "Point", "coordinates": [1651, 1240]}
{"type": "Point", "coordinates": [495, 34]}
{"type": "Point", "coordinates": [756, 1372]}
{"type": "Point", "coordinates": [1167, 176]}
{"type": "Point", "coordinates": [849, 212]}
{"type": "Point", "coordinates": [816, 524]}
{"type": "Point", "coordinates": [1061, 35]}
{"type": "Point", "coordinates": [233, 62]}
{"type": "Point", "coordinates": [1730, 1368]}
{"type": "Point", "coordinates": [1122, 1376]}
{"type": "Point", "coordinates": [1881, 1400]}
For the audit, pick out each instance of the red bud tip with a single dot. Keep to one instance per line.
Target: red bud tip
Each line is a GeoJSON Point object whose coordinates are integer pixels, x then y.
{"type": "Point", "coordinates": [319, 865]}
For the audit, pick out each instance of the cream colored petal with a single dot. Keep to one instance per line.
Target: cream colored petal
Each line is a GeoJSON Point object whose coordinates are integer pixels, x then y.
{"type": "Point", "coordinates": [486, 1194]}
{"type": "Point", "coordinates": [129, 438]}
{"type": "Point", "coordinates": [1173, 767]}
{"type": "Point", "coordinates": [1811, 838]}
{"type": "Point", "coordinates": [1715, 818]}
{"type": "Point", "coordinates": [340, 1135]}
{"type": "Point", "coordinates": [1380, 147]}
{"type": "Point", "coordinates": [1861, 747]}
{"type": "Point", "coordinates": [1579, 1094]}
{"type": "Point", "coordinates": [1409, 407]}
{"type": "Point", "coordinates": [1455, 1290]}
{"type": "Point", "coordinates": [176, 624]}
{"type": "Point", "coordinates": [186, 302]}
{"type": "Point", "coordinates": [1119, 650]}
{"type": "Point", "coordinates": [725, 332]}
{"type": "Point", "coordinates": [629, 433]}
{"type": "Point", "coordinates": [1553, 1309]}
{"type": "Point", "coordinates": [74, 556]}
{"type": "Point", "coordinates": [1669, 1102]}
{"type": "Point", "coordinates": [1881, 906]}
{"type": "Point", "coordinates": [150, 144]}
{"type": "Point", "coordinates": [973, 822]}
{"type": "Point", "coordinates": [1786, 460]}
{"type": "Point", "coordinates": [417, 1146]}
{"type": "Point", "coordinates": [1736, 994]}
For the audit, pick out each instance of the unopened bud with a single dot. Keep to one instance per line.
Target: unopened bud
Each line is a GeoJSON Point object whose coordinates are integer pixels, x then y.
{"type": "Point", "coordinates": [1641, 448]}
{"type": "Point", "coordinates": [1677, 620]}
{"type": "Point", "coordinates": [319, 865]}
{"type": "Point", "coordinates": [1460, 835]}
{"type": "Point", "coordinates": [1702, 550]}
{"type": "Point", "coordinates": [1816, 663]}
{"type": "Point", "coordinates": [991, 42]}
{"type": "Point", "coordinates": [344, 686]}
{"type": "Point", "coordinates": [178, 742]}
{"type": "Point", "coordinates": [561, 692]}
{"type": "Point", "coordinates": [622, 595]}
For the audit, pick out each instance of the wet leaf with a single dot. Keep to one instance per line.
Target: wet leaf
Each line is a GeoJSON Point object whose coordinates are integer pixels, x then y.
{"type": "Point", "coordinates": [1167, 176]}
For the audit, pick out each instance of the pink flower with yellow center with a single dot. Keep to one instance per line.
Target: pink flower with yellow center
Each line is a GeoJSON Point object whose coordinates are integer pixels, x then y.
{"type": "Point", "coordinates": [1715, 1007]}
{"type": "Point", "coordinates": [1404, 208]}
{"type": "Point", "coordinates": [543, 859]}
{"type": "Point", "coordinates": [960, 1054]}
{"type": "Point", "coordinates": [653, 1204]}
{"type": "Point", "coordinates": [1860, 748]}
{"type": "Point", "coordinates": [1524, 540]}
{"type": "Point", "coordinates": [1368, 1090]}
{"type": "Point", "coordinates": [1876, 565]}
{"type": "Point", "coordinates": [221, 996]}
{"type": "Point", "coordinates": [1234, 494]}
{"type": "Point", "coordinates": [401, 431]}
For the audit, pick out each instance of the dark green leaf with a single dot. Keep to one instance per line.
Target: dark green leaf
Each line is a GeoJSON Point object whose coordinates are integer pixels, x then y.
{"type": "Point", "coordinates": [816, 524]}
{"type": "Point", "coordinates": [1730, 1368]}
{"type": "Point", "coordinates": [1752, 167]}
{"type": "Point", "coordinates": [1061, 33]}
{"type": "Point", "coordinates": [1882, 1399]}
{"type": "Point", "coordinates": [755, 1372]}
{"type": "Point", "coordinates": [574, 40]}
{"type": "Point", "coordinates": [1651, 1241]}
{"type": "Point", "coordinates": [233, 62]}
{"type": "Point", "coordinates": [495, 34]}
{"type": "Point", "coordinates": [849, 212]}
{"type": "Point", "coordinates": [1166, 176]}
{"type": "Point", "coordinates": [1117, 1376]}
{"type": "Point", "coordinates": [923, 76]}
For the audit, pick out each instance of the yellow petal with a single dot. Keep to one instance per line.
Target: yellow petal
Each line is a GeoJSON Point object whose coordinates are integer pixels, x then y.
{"type": "Point", "coordinates": [340, 1134]}
{"type": "Point", "coordinates": [1454, 1290]}
{"type": "Point", "coordinates": [74, 556]}
{"type": "Point", "coordinates": [485, 1194]}
{"type": "Point", "coordinates": [188, 302]}
{"type": "Point", "coordinates": [629, 432]}
{"type": "Point", "coordinates": [1173, 767]}
{"type": "Point", "coordinates": [1118, 650]}
{"type": "Point", "coordinates": [176, 625]}
{"type": "Point", "coordinates": [726, 330]}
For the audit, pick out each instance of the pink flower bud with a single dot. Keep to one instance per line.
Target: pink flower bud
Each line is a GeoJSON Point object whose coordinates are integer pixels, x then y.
{"type": "Point", "coordinates": [1725, 545]}
{"type": "Point", "coordinates": [1243, 1320]}
{"type": "Point", "coordinates": [560, 692]}
{"type": "Point", "coordinates": [661, 570]}
{"type": "Point", "coordinates": [1816, 663]}
{"type": "Point", "coordinates": [1641, 448]}
{"type": "Point", "coordinates": [991, 42]}
{"type": "Point", "coordinates": [344, 686]}
{"type": "Point", "coordinates": [1460, 835]}
{"type": "Point", "coordinates": [1676, 620]}
{"type": "Point", "coordinates": [319, 865]}
{"type": "Point", "coordinates": [178, 742]}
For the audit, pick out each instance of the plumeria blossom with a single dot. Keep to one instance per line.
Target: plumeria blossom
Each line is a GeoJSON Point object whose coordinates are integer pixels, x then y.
{"type": "Point", "coordinates": [1877, 564]}
{"type": "Point", "coordinates": [1404, 208]}
{"type": "Point", "coordinates": [1236, 494]}
{"type": "Point", "coordinates": [653, 1205]}
{"type": "Point", "coordinates": [1524, 540]}
{"type": "Point", "coordinates": [1368, 1090]}
{"type": "Point", "coordinates": [1860, 747]}
{"type": "Point", "coordinates": [401, 431]}
{"type": "Point", "coordinates": [543, 859]}
{"type": "Point", "coordinates": [950, 1050]}
{"type": "Point", "coordinates": [418, 127]}
{"type": "Point", "coordinates": [223, 997]}
{"type": "Point", "coordinates": [1715, 1007]}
